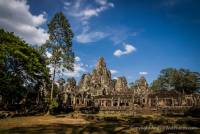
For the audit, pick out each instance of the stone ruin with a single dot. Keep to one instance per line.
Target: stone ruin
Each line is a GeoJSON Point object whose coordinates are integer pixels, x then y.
{"type": "Point", "coordinates": [98, 89]}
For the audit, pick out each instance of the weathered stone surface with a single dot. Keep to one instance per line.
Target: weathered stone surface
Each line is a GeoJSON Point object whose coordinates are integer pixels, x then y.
{"type": "Point", "coordinates": [101, 74]}
{"type": "Point", "coordinates": [99, 82]}
{"type": "Point", "coordinates": [141, 86]}
{"type": "Point", "coordinates": [121, 84]}
{"type": "Point", "coordinates": [85, 82]}
{"type": "Point", "coordinates": [101, 79]}
{"type": "Point", "coordinates": [99, 90]}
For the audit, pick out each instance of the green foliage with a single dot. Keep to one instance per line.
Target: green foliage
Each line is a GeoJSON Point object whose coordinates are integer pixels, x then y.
{"type": "Point", "coordinates": [22, 69]}
{"type": "Point", "coordinates": [54, 104]}
{"type": "Point", "coordinates": [55, 90]}
{"type": "Point", "coordinates": [60, 45]}
{"type": "Point", "coordinates": [71, 81]}
{"type": "Point", "coordinates": [61, 82]}
{"type": "Point", "coordinates": [156, 85]}
{"type": "Point", "coordinates": [60, 42]}
{"type": "Point", "coordinates": [181, 80]}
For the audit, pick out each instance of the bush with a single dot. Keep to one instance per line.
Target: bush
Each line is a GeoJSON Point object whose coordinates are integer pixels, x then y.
{"type": "Point", "coordinates": [54, 106]}
{"type": "Point", "coordinates": [160, 121]}
{"type": "Point", "coordinates": [89, 110]}
{"type": "Point", "coordinates": [136, 120]}
{"type": "Point", "coordinates": [189, 121]}
{"type": "Point", "coordinates": [111, 119]}
{"type": "Point", "coordinates": [194, 112]}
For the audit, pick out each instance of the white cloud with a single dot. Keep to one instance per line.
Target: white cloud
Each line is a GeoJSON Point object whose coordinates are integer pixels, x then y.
{"type": "Point", "coordinates": [67, 3]}
{"type": "Point", "coordinates": [90, 12]}
{"type": "Point", "coordinates": [77, 59]}
{"type": "Point", "coordinates": [113, 71]}
{"type": "Point", "coordinates": [16, 17]}
{"type": "Point", "coordinates": [115, 78]}
{"type": "Point", "coordinates": [48, 54]}
{"type": "Point", "coordinates": [143, 73]}
{"type": "Point", "coordinates": [102, 2]}
{"type": "Point", "coordinates": [78, 69]}
{"type": "Point", "coordinates": [118, 53]}
{"type": "Point", "coordinates": [88, 37]}
{"type": "Point", "coordinates": [128, 49]}
{"type": "Point", "coordinates": [82, 12]}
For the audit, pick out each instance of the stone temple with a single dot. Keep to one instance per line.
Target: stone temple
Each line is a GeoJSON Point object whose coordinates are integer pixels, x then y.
{"type": "Point", "coordinates": [98, 89]}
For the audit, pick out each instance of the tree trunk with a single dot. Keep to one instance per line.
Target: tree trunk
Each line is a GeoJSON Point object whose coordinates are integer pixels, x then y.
{"type": "Point", "coordinates": [52, 85]}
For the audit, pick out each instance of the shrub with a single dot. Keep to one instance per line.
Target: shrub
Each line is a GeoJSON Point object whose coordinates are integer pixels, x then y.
{"type": "Point", "coordinates": [54, 106]}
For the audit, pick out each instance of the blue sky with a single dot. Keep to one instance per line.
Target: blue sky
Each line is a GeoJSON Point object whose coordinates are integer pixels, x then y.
{"type": "Point", "coordinates": [136, 37]}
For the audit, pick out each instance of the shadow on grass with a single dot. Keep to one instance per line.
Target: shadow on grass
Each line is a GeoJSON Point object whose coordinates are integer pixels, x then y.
{"type": "Point", "coordinates": [112, 125]}
{"type": "Point", "coordinates": [92, 128]}
{"type": "Point", "coordinates": [68, 128]}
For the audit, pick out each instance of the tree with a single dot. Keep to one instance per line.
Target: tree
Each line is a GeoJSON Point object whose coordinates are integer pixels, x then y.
{"type": "Point", "coordinates": [71, 81]}
{"type": "Point", "coordinates": [60, 45]}
{"type": "Point", "coordinates": [198, 81]}
{"type": "Point", "coordinates": [155, 85]}
{"type": "Point", "coordinates": [181, 80]}
{"type": "Point", "coordinates": [22, 69]}
{"type": "Point", "coordinates": [71, 84]}
{"type": "Point", "coordinates": [61, 83]}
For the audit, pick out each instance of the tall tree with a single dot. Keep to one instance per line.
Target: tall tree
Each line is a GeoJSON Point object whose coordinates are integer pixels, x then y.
{"type": "Point", "coordinates": [60, 45]}
{"type": "Point", "coordinates": [61, 83]}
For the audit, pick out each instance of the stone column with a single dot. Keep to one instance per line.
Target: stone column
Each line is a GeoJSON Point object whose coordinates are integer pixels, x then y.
{"type": "Point", "coordinates": [74, 101]}
{"type": "Point", "coordinates": [118, 102]}
{"type": "Point", "coordinates": [173, 102]}
{"type": "Point", "coordinates": [84, 102]}
{"type": "Point", "coordinates": [149, 102]}
{"type": "Point", "coordinates": [111, 102]}
{"type": "Point", "coordinates": [105, 103]}
{"type": "Point", "coordinates": [156, 101]}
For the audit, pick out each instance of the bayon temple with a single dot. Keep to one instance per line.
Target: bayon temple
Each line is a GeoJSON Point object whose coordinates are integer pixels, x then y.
{"type": "Point", "coordinates": [98, 89]}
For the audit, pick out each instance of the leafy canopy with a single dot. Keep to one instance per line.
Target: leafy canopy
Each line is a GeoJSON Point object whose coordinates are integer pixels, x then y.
{"type": "Point", "coordinates": [60, 42]}
{"type": "Point", "coordinates": [181, 80]}
{"type": "Point", "coordinates": [22, 69]}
